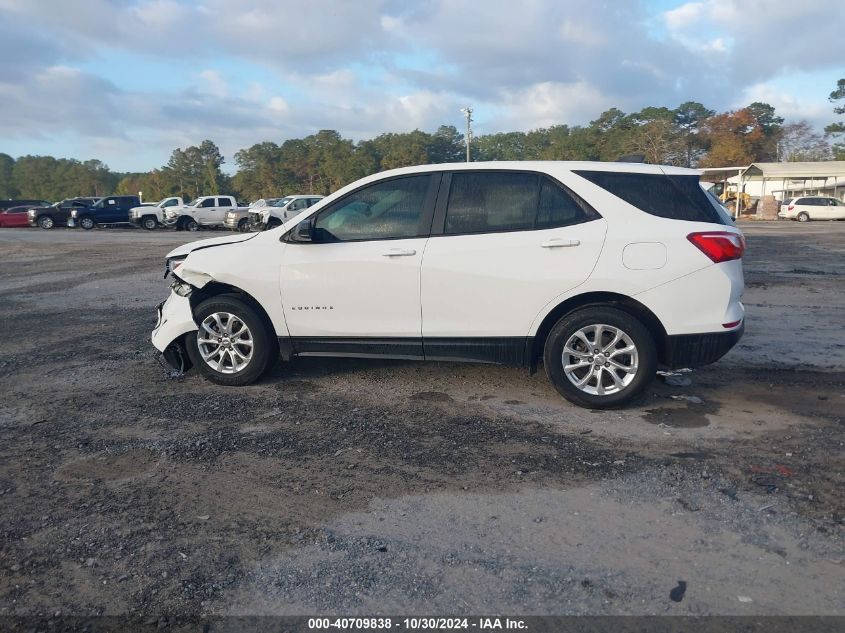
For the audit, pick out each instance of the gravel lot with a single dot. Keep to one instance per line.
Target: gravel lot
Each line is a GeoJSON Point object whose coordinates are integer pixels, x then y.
{"type": "Point", "coordinates": [367, 487]}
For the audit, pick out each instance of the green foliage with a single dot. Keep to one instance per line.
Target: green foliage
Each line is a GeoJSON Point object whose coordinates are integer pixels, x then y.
{"type": "Point", "coordinates": [688, 135]}
{"type": "Point", "coordinates": [836, 130]}
{"type": "Point", "coordinates": [7, 187]}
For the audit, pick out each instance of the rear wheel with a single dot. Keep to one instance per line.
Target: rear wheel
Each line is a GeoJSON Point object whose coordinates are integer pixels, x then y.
{"type": "Point", "coordinates": [46, 222]}
{"type": "Point", "coordinates": [86, 222]}
{"type": "Point", "coordinates": [149, 223]}
{"type": "Point", "coordinates": [600, 357]}
{"type": "Point", "coordinates": [233, 346]}
{"type": "Point", "coordinates": [803, 217]}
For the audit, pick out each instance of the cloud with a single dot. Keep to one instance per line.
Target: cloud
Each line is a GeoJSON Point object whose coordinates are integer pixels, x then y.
{"type": "Point", "coordinates": [252, 70]}
{"type": "Point", "coordinates": [764, 38]}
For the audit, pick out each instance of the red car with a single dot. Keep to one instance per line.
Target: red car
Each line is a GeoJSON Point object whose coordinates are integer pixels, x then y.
{"type": "Point", "coordinates": [14, 216]}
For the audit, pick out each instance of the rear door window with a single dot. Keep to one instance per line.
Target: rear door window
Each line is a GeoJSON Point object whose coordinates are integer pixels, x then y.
{"type": "Point", "coordinates": [674, 197]}
{"type": "Point", "coordinates": [491, 202]}
{"type": "Point", "coordinates": [481, 202]}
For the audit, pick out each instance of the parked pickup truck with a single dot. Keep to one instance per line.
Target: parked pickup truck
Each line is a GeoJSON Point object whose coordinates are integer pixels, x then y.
{"type": "Point", "coordinates": [151, 216]}
{"type": "Point", "coordinates": [206, 211]}
{"type": "Point", "coordinates": [279, 212]}
{"type": "Point", "coordinates": [238, 219]}
{"type": "Point", "coordinates": [57, 214]}
{"type": "Point", "coordinates": [108, 210]}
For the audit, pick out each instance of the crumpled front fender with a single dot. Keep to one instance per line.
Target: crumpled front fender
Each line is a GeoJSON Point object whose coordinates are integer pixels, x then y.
{"type": "Point", "coordinates": [193, 277]}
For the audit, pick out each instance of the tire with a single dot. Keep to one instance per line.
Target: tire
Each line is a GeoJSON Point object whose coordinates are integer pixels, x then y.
{"type": "Point", "coordinates": [46, 222]}
{"type": "Point", "coordinates": [243, 226]}
{"type": "Point", "coordinates": [272, 223]}
{"type": "Point", "coordinates": [599, 388]}
{"type": "Point", "coordinates": [803, 217]}
{"type": "Point", "coordinates": [87, 222]}
{"type": "Point", "coordinates": [149, 222]}
{"type": "Point", "coordinates": [225, 364]}
{"type": "Point", "coordinates": [190, 225]}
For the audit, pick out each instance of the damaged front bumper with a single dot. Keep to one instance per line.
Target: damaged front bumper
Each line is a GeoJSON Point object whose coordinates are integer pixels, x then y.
{"type": "Point", "coordinates": [175, 319]}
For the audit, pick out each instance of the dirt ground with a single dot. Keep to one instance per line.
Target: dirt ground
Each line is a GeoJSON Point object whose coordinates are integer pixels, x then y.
{"type": "Point", "coordinates": [366, 487]}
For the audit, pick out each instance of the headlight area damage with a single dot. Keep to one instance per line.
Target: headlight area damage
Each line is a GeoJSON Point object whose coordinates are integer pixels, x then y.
{"type": "Point", "coordinates": [175, 316]}
{"type": "Point", "coordinates": [189, 287]}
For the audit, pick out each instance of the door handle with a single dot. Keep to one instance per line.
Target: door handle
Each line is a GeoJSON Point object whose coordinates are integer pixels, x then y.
{"type": "Point", "coordinates": [557, 242]}
{"type": "Point", "coordinates": [400, 252]}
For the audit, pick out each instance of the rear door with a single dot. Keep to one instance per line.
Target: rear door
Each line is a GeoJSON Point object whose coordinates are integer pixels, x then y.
{"type": "Point", "coordinates": [108, 211]}
{"type": "Point", "coordinates": [123, 205]}
{"type": "Point", "coordinates": [224, 205]}
{"type": "Point", "coordinates": [504, 244]}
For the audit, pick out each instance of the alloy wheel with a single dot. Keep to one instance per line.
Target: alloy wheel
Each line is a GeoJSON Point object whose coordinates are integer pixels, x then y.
{"type": "Point", "coordinates": [600, 359]}
{"type": "Point", "coordinates": [225, 342]}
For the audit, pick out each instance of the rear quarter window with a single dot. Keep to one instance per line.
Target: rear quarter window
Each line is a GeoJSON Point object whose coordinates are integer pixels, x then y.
{"type": "Point", "coordinates": [672, 197]}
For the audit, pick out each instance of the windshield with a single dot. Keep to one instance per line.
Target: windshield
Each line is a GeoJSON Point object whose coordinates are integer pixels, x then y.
{"type": "Point", "coordinates": [282, 202]}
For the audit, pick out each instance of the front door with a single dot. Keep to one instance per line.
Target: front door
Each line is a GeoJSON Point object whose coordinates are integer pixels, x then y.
{"type": "Point", "coordinates": [206, 211]}
{"type": "Point", "coordinates": [356, 287]}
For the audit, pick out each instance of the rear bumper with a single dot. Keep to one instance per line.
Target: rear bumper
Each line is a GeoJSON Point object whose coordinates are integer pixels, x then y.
{"type": "Point", "coordinates": [695, 350]}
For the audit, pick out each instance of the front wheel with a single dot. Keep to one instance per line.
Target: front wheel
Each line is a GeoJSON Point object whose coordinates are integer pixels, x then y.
{"type": "Point", "coordinates": [190, 225]}
{"type": "Point", "coordinates": [243, 225]}
{"type": "Point", "coordinates": [803, 217]}
{"type": "Point", "coordinates": [46, 222]}
{"type": "Point", "coordinates": [149, 223]}
{"type": "Point", "coordinates": [86, 222]}
{"type": "Point", "coordinates": [600, 357]}
{"type": "Point", "coordinates": [233, 345]}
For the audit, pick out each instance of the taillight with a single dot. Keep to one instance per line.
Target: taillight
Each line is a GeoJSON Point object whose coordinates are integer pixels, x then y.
{"type": "Point", "coordinates": [720, 246]}
{"type": "Point", "coordinates": [790, 207]}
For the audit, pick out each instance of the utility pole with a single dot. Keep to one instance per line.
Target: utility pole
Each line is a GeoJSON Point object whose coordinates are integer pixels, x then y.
{"type": "Point", "coordinates": [468, 114]}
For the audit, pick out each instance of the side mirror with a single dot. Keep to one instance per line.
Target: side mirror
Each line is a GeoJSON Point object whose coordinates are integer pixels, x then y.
{"type": "Point", "coordinates": [303, 232]}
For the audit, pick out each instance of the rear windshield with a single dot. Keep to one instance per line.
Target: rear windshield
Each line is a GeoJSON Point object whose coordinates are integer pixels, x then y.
{"type": "Point", "coordinates": [673, 197]}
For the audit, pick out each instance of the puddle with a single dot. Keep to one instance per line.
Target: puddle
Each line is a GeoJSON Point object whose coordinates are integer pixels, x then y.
{"type": "Point", "coordinates": [690, 417]}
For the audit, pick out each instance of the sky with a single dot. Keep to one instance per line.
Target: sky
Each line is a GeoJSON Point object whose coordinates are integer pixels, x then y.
{"type": "Point", "coordinates": [127, 81]}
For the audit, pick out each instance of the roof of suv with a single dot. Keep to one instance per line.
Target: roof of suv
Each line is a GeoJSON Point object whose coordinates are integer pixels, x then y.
{"type": "Point", "coordinates": [543, 165]}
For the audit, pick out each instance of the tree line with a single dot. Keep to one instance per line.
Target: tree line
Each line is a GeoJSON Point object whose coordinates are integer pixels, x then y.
{"type": "Point", "coordinates": [690, 135]}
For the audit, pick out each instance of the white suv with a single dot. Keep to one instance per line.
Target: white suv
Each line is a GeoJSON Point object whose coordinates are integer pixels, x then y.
{"type": "Point", "coordinates": [599, 271]}
{"type": "Point", "coordinates": [812, 208]}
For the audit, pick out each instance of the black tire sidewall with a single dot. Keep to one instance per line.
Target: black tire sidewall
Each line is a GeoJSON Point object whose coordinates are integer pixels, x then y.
{"type": "Point", "coordinates": [243, 226]}
{"type": "Point", "coordinates": [582, 317]}
{"type": "Point", "coordinates": [191, 225]}
{"type": "Point", "coordinates": [265, 350]}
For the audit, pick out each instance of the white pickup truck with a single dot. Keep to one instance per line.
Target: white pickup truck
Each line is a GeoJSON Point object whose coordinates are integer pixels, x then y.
{"type": "Point", "coordinates": [206, 211]}
{"type": "Point", "coordinates": [152, 216]}
{"type": "Point", "coordinates": [273, 215]}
